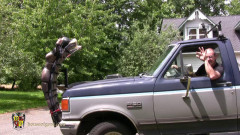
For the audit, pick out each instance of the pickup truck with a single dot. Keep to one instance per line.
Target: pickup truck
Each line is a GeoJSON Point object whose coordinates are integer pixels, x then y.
{"type": "Point", "coordinates": [161, 101]}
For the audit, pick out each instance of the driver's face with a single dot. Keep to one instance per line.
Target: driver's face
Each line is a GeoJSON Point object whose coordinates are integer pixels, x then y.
{"type": "Point", "coordinates": [211, 57]}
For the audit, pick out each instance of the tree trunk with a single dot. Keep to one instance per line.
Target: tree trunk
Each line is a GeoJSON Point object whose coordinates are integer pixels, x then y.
{"type": "Point", "coordinates": [14, 81]}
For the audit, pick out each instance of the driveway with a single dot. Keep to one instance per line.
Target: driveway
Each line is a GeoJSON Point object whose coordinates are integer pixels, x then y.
{"type": "Point", "coordinates": [38, 122]}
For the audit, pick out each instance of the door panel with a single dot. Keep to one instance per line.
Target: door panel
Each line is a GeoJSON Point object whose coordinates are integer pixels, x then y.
{"type": "Point", "coordinates": [203, 105]}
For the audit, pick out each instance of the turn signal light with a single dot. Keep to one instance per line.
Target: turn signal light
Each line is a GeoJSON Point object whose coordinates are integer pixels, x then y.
{"type": "Point", "coordinates": [65, 104]}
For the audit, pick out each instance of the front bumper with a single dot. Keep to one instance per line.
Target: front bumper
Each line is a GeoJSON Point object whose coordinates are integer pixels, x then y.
{"type": "Point", "coordinates": [69, 127]}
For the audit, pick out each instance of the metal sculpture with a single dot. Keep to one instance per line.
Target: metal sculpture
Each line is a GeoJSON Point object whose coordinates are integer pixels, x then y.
{"type": "Point", "coordinates": [64, 48]}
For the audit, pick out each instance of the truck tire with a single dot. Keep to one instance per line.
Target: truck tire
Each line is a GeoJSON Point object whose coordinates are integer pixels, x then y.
{"type": "Point", "coordinates": [110, 128]}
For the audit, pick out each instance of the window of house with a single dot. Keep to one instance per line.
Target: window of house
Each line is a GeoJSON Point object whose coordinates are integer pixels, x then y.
{"type": "Point", "coordinates": [201, 33]}
{"type": "Point", "coordinates": [192, 33]}
{"type": "Point", "coordinates": [196, 33]}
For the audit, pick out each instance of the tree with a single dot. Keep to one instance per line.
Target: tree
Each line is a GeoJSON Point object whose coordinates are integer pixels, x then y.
{"type": "Point", "coordinates": [144, 49]}
{"type": "Point", "coordinates": [233, 8]}
{"type": "Point", "coordinates": [91, 22]}
{"type": "Point", "coordinates": [183, 8]}
{"type": "Point", "coordinates": [19, 66]}
{"type": "Point", "coordinates": [15, 63]}
{"type": "Point", "coordinates": [103, 28]}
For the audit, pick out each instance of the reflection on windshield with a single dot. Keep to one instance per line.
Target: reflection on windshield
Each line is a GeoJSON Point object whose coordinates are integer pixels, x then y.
{"type": "Point", "coordinates": [159, 61]}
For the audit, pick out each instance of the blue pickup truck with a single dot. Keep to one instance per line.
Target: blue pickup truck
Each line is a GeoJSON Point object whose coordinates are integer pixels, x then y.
{"type": "Point", "coordinates": [163, 100]}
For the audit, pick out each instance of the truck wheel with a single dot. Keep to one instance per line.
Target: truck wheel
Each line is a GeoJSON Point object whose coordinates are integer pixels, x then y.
{"type": "Point", "coordinates": [110, 128]}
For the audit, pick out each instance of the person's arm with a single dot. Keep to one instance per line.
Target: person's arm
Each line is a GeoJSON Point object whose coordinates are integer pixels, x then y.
{"type": "Point", "coordinates": [212, 74]}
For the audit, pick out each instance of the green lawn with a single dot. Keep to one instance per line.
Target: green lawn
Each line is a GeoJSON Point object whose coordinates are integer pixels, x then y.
{"type": "Point", "coordinates": [11, 101]}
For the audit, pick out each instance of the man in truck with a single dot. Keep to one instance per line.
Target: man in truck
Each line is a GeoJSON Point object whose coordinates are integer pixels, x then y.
{"type": "Point", "coordinates": [210, 67]}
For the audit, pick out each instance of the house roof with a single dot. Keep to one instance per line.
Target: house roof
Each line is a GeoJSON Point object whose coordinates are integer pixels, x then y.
{"type": "Point", "coordinates": [195, 15]}
{"type": "Point", "coordinates": [230, 27]}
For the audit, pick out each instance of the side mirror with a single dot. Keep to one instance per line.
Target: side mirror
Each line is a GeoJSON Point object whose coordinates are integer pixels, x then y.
{"type": "Point", "coordinates": [188, 70]}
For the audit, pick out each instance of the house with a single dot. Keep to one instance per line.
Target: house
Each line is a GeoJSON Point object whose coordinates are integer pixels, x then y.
{"type": "Point", "coordinates": [192, 28]}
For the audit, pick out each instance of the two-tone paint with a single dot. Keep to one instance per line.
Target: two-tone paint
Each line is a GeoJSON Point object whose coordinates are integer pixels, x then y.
{"type": "Point", "coordinates": [155, 105]}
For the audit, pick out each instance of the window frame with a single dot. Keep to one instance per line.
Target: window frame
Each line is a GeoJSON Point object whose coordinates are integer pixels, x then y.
{"type": "Point", "coordinates": [198, 34]}
{"type": "Point", "coordinates": [180, 54]}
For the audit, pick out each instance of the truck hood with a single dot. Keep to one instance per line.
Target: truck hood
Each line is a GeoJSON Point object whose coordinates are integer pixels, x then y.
{"type": "Point", "coordinates": [104, 82]}
{"type": "Point", "coordinates": [101, 87]}
{"type": "Point", "coordinates": [126, 85]}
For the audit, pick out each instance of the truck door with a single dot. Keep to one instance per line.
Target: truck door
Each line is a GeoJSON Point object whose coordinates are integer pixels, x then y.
{"type": "Point", "coordinates": [210, 106]}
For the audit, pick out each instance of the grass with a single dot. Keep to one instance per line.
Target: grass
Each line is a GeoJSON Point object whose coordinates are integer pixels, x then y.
{"type": "Point", "coordinates": [11, 101]}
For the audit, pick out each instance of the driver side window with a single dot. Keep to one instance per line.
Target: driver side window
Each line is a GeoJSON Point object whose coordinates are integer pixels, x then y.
{"type": "Point", "coordinates": [174, 71]}
{"type": "Point", "coordinates": [187, 56]}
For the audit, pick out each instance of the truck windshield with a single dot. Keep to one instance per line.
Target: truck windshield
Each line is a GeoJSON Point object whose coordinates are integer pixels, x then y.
{"type": "Point", "coordinates": [160, 60]}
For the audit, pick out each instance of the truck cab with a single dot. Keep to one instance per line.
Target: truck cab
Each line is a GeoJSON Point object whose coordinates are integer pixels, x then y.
{"type": "Point", "coordinates": [206, 106]}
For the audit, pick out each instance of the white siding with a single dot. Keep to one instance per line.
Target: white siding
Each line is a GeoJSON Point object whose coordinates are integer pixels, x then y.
{"type": "Point", "coordinates": [192, 59]}
{"type": "Point", "coordinates": [197, 24]}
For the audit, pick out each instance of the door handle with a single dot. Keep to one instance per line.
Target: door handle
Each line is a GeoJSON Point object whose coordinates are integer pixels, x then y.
{"type": "Point", "coordinates": [224, 84]}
